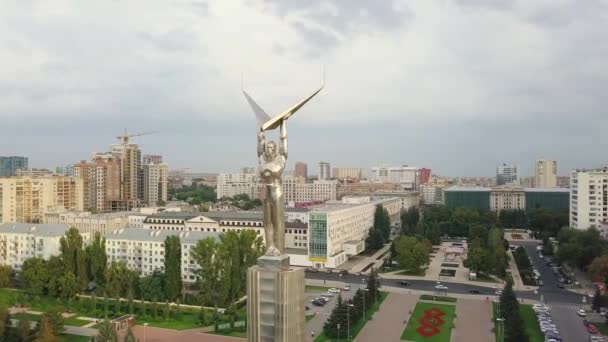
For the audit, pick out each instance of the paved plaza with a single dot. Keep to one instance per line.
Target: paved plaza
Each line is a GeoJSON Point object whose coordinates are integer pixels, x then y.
{"type": "Point", "coordinates": [473, 321]}
{"type": "Point", "coordinates": [192, 335]}
{"type": "Point", "coordinates": [388, 323]}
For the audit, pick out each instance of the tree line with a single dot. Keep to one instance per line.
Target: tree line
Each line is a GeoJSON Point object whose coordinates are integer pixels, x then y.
{"type": "Point", "coordinates": [47, 330]}
{"type": "Point", "coordinates": [487, 250]}
{"type": "Point", "coordinates": [514, 326]}
{"type": "Point", "coordinates": [380, 232]}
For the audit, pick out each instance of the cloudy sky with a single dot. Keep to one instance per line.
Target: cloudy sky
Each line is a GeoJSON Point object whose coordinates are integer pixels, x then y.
{"type": "Point", "coordinates": [455, 85]}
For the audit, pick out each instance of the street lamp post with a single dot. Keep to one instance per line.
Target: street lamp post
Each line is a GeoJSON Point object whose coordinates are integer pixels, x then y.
{"type": "Point", "coordinates": [348, 320]}
{"type": "Point", "coordinates": [364, 295]}
{"type": "Point", "coordinates": [338, 331]}
{"type": "Point", "coordinates": [501, 335]}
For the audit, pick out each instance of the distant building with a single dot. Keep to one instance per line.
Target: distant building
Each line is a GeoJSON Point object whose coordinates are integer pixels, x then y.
{"type": "Point", "coordinates": [296, 189]}
{"type": "Point", "coordinates": [231, 184]}
{"type": "Point", "coordinates": [406, 176]}
{"type": "Point", "coordinates": [588, 198]}
{"type": "Point", "coordinates": [67, 170]}
{"type": "Point", "coordinates": [507, 174]}
{"type": "Point", "coordinates": [101, 182]}
{"type": "Point", "coordinates": [10, 165]}
{"type": "Point", "coordinates": [563, 181]}
{"type": "Point", "coordinates": [424, 175]}
{"type": "Point", "coordinates": [27, 199]}
{"type": "Point", "coordinates": [300, 170]}
{"type": "Point", "coordinates": [152, 159]}
{"type": "Point", "coordinates": [507, 197]}
{"type": "Point", "coordinates": [21, 241]}
{"type": "Point", "coordinates": [324, 171]}
{"type": "Point", "coordinates": [545, 175]}
{"type": "Point", "coordinates": [348, 173]}
{"type": "Point", "coordinates": [432, 194]}
{"type": "Point", "coordinates": [33, 173]}
{"type": "Point", "coordinates": [156, 178]}
{"type": "Point", "coordinates": [88, 223]}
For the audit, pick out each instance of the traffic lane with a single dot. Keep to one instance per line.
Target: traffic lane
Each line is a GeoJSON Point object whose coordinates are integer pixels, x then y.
{"type": "Point", "coordinates": [569, 324]}
{"type": "Point", "coordinates": [546, 274]}
{"type": "Point", "coordinates": [322, 313]}
{"type": "Point", "coordinates": [549, 295]}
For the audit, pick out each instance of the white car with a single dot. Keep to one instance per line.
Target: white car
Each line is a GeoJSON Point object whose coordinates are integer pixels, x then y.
{"type": "Point", "coordinates": [540, 306]}
{"type": "Point", "coordinates": [581, 312]}
{"type": "Point", "coordinates": [327, 294]}
{"type": "Point", "coordinates": [346, 287]}
{"type": "Point", "coordinates": [441, 287]}
{"type": "Point", "coordinates": [333, 290]}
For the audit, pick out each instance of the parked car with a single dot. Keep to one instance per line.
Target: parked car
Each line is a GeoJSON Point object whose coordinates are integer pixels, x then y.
{"type": "Point", "coordinates": [586, 322]}
{"type": "Point", "coordinates": [581, 312]}
{"type": "Point", "coordinates": [541, 283]}
{"type": "Point", "coordinates": [346, 287]}
{"type": "Point", "coordinates": [596, 338]}
{"type": "Point", "coordinates": [404, 283]}
{"type": "Point", "coordinates": [333, 290]}
{"type": "Point", "coordinates": [318, 302]}
{"type": "Point", "coordinates": [540, 306]}
{"type": "Point", "coordinates": [592, 329]}
{"type": "Point", "coordinates": [327, 294]}
{"type": "Point", "coordinates": [474, 291]}
{"type": "Point", "coordinates": [441, 287]}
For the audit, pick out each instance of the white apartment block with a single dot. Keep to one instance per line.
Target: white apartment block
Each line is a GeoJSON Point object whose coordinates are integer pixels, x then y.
{"type": "Point", "coordinates": [432, 194]}
{"type": "Point", "coordinates": [407, 176]}
{"type": "Point", "coordinates": [143, 250]}
{"type": "Point", "coordinates": [231, 184]}
{"type": "Point", "coordinates": [21, 241]}
{"type": "Point", "coordinates": [545, 175]}
{"type": "Point", "coordinates": [156, 179]}
{"type": "Point", "coordinates": [27, 199]}
{"type": "Point", "coordinates": [88, 223]}
{"type": "Point", "coordinates": [295, 189]}
{"type": "Point", "coordinates": [588, 198]}
{"type": "Point", "coordinates": [353, 173]}
{"type": "Point", "coordinates": [324, 171]}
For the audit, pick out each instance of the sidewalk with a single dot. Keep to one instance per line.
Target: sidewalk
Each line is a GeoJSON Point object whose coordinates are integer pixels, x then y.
{"type": "Point", "coordinates": [371, 259]}
{"type": "Point", "coordinates": [518, 284]}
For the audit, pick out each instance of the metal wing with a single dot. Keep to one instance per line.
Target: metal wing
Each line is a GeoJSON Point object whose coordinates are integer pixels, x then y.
{"type": "Point", "coordinates": [260, 114]}
{"type": "Point", "coordinates": [272, 124]}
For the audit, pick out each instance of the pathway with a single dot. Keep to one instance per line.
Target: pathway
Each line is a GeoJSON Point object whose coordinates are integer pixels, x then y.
{"type": "Point", "coordinates": [371, 259]}
{"type": "Point", "coordinates": [473, 322]}
{"type": "Point", "coordinates": [389, 322]}
{"type": "Point", "coordinates": [153, 334]}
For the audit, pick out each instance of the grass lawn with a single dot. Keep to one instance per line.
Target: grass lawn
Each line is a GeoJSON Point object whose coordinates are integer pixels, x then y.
{"type": "Point", "coordinates": [413, 273]}
{"type": "Point", "coordinates": [369, 312]}
{"type": "Point", "coordinates": [73, 338]}
{"type": "Point", "coordinates": [602, 327]}
{"type": "Point", "coordinates": [532, 328]}
{"type": "Point", "coordinates": [411, 334]}
{"type": "Point", "coordinates": [439, 298]}
{"type": "Point", "coordinates": [31, 317]}
{"type": "Point", "coordinates": [313, 288]}
{"type": "Point", "coordinates": [309, 317]}
{"type": "Point", "coordinates": [74, 321]}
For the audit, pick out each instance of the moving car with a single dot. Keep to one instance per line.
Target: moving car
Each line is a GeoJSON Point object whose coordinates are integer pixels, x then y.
{"type": "Point", "coordinates": [346, 287]}
{"type": "Point", "coordinates": [474, 291]}
{"type": "Point", "coordinates": [441, 287]}
{"type": "Point", "coordinates": [327, 294]}
{"type": "Point", "coordinates": [581, 312]}
{"type": "Point", "coordinates": [404, 283]}
{"type": "Point", "coordinates": [333, 290]}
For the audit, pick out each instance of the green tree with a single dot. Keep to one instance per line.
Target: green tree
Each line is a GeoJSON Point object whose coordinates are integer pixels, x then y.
{"type": "Point", "coordinates": [151, 286]}
{"type": "Point", "coordinates": [106, 332]}
{"type": "Point", "coordinates": [6, 274]}
{"type": "Point", "coordinates": [412, 254]}
{"type": "Point", "coordinates": [597, 300]}
{"type": "Point", "coordinates": [374, 239]}
{"type": "Point", "coordinates": [68, 286]}
{"type": "Point", "coordinates": [409, 220]}
{"type": "Point", "coordinates": [432, 232]}
{"type": "Point", "coordinates": [209, 269]}
{"type": "Point", "coordinates": [477, 260]}
{"type": "Point", "coordinates": [97, 259]}
{"type": "Point", "coordinates": [35, 276]}
{"type": "Point", "coordinates": [55, 320]}
{"type": "Point", "coordinates": [509, 309]}
{"type": "Point", "coordinates": [598, 269]}
{"type": "Point", "coordinates": [4, 321]}
{"type": "Point", "coordinates": [155, 309]}
{"type": "Point", "coordinates": [45, 331]}
{"type": "Point", "coordinates": [338, 317]}
{"type": "Point", "coordinates": [143, 307]}
{"type": "Point", "coordinates": [24, 331]}
{"type": "Point", "coordinates": [130, 303]}
{"type": "Point", "coordinates": [119, 279]}
{"type": "Point", "coordinates": [202, 317]}
{"type": "Point", "coordinates": [72, 253]}
{"type": "Point", "coordinates": [167, 310]}
{"type": "Point", "coordinates": [373, 286]}
{"type": "Point", "coordinates": [173, 262]}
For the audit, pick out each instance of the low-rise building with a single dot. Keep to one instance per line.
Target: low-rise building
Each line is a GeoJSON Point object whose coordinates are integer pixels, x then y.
{"type": "Point", "coordinates": [507, 197]}
{"type": "Point", "coordinates": [432, 194]}
{"type": "Point", "coordinates": [21, 241]}
{"type": "Point", "coordinates": [143, 250]}
{"type": "Point", "coordinates": [89, 223]}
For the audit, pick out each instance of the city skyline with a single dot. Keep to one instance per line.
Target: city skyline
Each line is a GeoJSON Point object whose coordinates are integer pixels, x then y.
{"type": "Point", "coordinates": [459, 106]}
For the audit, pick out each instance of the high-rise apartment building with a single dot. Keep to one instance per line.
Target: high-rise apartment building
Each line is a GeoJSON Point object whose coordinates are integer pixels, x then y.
{"type": "Point", "coordinates": [297, 190]}
{"type": "Point", "coordinates": [432, 194]}
{"type": "Point", "coordinates": [406, 176]}
{"type": "Point", "coordinates": [67, 170]}
{"type": "Point", "coordinates": [231, 184]}
{"type": "Point", "coordinates": [27, 199]}
{"type": "Point", "coordinates": [324, 171]}
{"type": "Point", "coordinates": [424, 175]}
{"type": "Point", "coordinates": [300, 170]}
{"type": "Point", "coordinates": [131, 175]}
{"type": "Point", "coordinates": [507, 174]}
{"type": "Point", "coordinates": [152, 159]}
{"type": "Point", "coordinates": [347, 173]}
{"type": "Point", "coordinates": [156, 178]}
{"type": "Point", "coordinates": [10, 165]}
{"type": "Point", "coordinates": [588, 198]}
{"type": "Point", "coordinates": [545, 175]}
{"type": "Point", "coordinates": [101, 182]}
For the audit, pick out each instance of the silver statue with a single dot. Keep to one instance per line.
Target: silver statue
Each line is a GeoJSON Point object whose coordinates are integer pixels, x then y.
{"type": "Point", "coordinates": [272, 164]}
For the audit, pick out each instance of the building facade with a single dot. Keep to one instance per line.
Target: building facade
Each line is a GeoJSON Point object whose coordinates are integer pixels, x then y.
{"type": "Point", "coordinates": [588, 198]}
{"type": "Point", "coordinates": [507, 174]}
{"type": "Point", "coordinates": [432, 194]}
{"type": "Point", "coordinates": [88, 223]}
{"type": "Point", "coordinates": [507, 197]}
{"type": "Point", "coordinates": [545, 175]}
{"type": "Point", "coordinates": [324, 171]}
{"type": "Point", "coordinates": [27, 199]}
{"type": "Point", "coordinates": [300, 170]}
{"type": "Point", "coordinates": [9, 165]}
{"type": "Point", "coordinates": [101, 181]}
{"type": "Point", "coordinates": [424, 175]}
{"type": "Point", "coordinates": [152, 159]}
{"type": "Point", "coordinates": [406, 176]}
{"type": "Point", "coordinates": [144, 250]}
{"type": "Point", "coordinates": [21, 241]}
{"type": "Point", "coordinates": [231, 184]}
{"type": "Point", "coordinates": [348, 173]}
{"type": "Point", "coordinates": [156, 179]}
{"type": "Point", "coordinates": [297, 190]}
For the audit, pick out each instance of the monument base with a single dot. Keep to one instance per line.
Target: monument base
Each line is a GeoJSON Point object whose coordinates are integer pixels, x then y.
{"type": "Point", "coordinates": [275, 301]}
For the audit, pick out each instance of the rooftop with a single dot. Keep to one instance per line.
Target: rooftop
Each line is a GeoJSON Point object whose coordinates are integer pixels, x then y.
{"type": "Point", "coordinates": [505, 188]}
{"type": "Point", "coordinates": [37, 229]}
{"type": "Point", "coordinates": [142, 234]}
{"type": "Point", "coordinates": [235, 215]}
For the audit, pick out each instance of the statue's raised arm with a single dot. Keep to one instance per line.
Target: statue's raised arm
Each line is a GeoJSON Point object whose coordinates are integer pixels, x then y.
{"type": "Point", "coordinates": [283, 147]}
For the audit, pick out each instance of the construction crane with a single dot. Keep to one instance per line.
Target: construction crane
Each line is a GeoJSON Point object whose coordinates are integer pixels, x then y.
{"type": "Point", "coordinates": [125, 137]}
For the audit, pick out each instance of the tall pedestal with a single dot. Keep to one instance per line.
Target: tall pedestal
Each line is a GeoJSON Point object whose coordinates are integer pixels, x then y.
{"type": "Point", "coordinates": [275, 301]}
